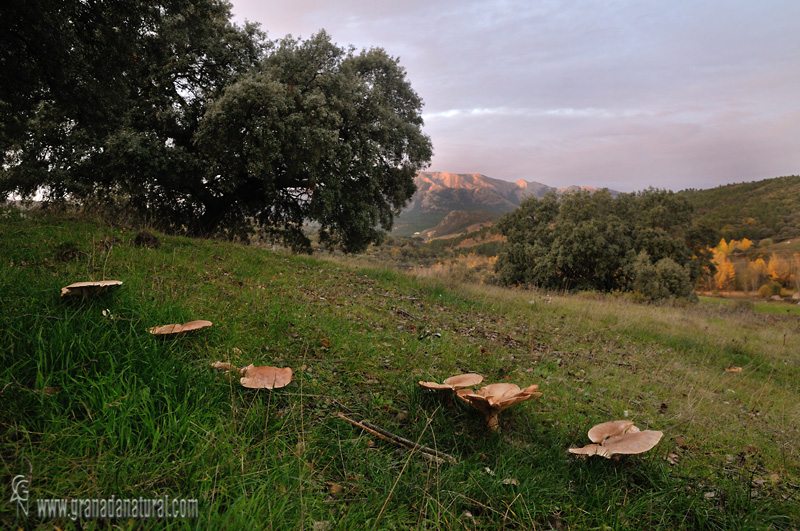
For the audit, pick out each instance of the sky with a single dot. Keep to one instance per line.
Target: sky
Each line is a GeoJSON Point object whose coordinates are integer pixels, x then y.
{"type": "Point", "coordinates": [617, 94]}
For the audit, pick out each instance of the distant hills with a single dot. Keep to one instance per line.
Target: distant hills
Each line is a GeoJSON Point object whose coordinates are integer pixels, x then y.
{"type": "Point", "coordinates": [450, 203]}
{"type": "Point", "coordinates": [769, 208]}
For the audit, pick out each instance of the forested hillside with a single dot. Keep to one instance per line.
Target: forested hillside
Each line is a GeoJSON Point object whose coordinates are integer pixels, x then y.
{"type": "Point", "coordinates": [757, 210]}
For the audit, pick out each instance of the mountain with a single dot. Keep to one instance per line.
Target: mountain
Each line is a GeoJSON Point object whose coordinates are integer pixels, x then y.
{"type": "Point", "coordinates": [460, 221]}
{"type": "Point", "coordinates": [439, 194]}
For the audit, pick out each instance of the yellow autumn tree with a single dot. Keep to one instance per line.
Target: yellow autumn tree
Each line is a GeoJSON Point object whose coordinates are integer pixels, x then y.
{"type": "Point", "coordinates": [779, 269]}
{"type": "Point", "coordinates": [726, 272]}
{"type": "Point", "coordinates": [736, 245]}
{"type": "Point", "coordinates": [756, 274]}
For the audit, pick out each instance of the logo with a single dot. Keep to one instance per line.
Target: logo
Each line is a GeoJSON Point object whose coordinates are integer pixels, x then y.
{"type": "Point", "coordinates": [19, 493]}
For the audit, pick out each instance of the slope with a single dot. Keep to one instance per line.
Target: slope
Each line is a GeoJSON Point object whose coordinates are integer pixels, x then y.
{"type": "Point", "coordinates": [769, 208]}
{"type": "Point", "coordinates": [94, 405]}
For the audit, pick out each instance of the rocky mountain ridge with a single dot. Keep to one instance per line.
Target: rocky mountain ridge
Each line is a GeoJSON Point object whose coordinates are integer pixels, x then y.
{"type": "Point", "coordinates": [440, 193]}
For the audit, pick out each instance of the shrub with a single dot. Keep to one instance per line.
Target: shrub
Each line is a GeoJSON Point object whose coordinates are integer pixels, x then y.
{"type": "Point", "coordinates": [664, 280]}
{"type": "Point", "coordinates": [768, 290]}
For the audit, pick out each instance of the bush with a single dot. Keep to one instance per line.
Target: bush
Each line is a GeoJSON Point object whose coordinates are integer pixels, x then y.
{"type": "Point", "coordinates": [768, 290]}
{"type": "Point", "coordinates": [664, 280]}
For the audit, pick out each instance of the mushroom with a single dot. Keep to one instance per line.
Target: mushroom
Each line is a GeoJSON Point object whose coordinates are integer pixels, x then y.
{"type": "Point", "coordinates": [494, 398]}
{"type": "Point", "coordinates": [603, 431]}
{"type": "Point", "coordinates": [455, 382]}
{"type": "Point", "coordinates": [88, 289]}
{"type": "Point", "coordinates": [178, 329]}
{"type": "Point", "coordinates": [265, 377]}
{"type": "Point", "coordinates": [258, 377]}
{"type": "Point", "coordinates": [618, 437]}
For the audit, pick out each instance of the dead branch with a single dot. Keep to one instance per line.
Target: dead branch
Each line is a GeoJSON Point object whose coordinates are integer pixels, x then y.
{"type": "Point", "coordinates": [426, 452]}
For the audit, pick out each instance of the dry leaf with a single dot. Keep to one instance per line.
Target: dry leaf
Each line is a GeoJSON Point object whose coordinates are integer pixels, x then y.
{"type": "Point", "coordinates": [179, 329]}
{"type": "Point", "coordinates": [224, 366]}
{"type": "Point", "coordinates": [733, 369]}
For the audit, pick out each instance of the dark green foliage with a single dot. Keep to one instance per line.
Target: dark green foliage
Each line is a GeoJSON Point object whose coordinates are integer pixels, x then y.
{"type": "Point", "coordinates": [316, 132]}
{"type": "Point", "coordinates": [664, 280]}
{"type": "Point", "coordinates": [591, 241]}
{"type": "Point", "coordinates": [204, 127]}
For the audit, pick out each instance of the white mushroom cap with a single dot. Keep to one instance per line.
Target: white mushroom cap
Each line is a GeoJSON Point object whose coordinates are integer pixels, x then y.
{"type": "Point", "coordinates": [87, 289]}
{"type": "Point", "coordinates": [455, 382]}
{"type": "Point", "coordinates": [265, 377]}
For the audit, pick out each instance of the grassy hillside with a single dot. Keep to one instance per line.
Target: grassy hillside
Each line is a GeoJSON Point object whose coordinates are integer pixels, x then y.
{"type": "Point", "coordinates": [93, 405]}
{"type": "Point", "coordinates": [756, 210]}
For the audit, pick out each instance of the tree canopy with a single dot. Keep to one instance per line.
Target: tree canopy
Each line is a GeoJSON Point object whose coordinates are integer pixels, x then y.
{"type": "Point", "coordinates": [171, 110]}
{"type": "Point", "coordinates": [595, 241]}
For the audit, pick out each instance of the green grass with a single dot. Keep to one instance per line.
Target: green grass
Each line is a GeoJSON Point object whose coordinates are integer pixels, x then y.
{"type": "Point", "coordinates": [759, 306]}
{"type": "Point", "coordinates": [136, 416]}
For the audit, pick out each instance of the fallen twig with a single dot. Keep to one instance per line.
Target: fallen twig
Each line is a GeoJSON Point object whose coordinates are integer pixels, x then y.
{"type": "Point", "coordinates": [428, 453]}
{"type": "Point", "coordinates": [404, 313]}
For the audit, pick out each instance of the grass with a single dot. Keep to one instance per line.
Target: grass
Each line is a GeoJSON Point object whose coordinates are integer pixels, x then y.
{"type": "Point", "coordinates": [93, 405]}
{"type": "Point", "coordinates": [758, 306]}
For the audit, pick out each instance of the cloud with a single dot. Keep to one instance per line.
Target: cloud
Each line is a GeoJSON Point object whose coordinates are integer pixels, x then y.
{"type": "Point", "coordinates": [603, 93]}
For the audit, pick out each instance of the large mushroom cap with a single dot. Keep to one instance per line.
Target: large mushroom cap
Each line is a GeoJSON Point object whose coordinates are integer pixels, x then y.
{"type": "Point", "coordinates": [626, 444]}
{"type": "Point", "coordinates": [631, 442]}
{"type": "Point", "coordinates": [502, 395]}
{"type": "Point", "coordinates": [266, 377]}
{"type": "Point", "coordinates": [177, 329]}
{"type": "Point", "coordinates": [493, 398]}
{"type": "Point", "coordinates": [87, 289]}
{"type": "Point", "coordinates": [455, 382]}
{"type": "Point", "coordinates": [605, 430]}
{"type": "Point", "coordinates": [618, 437]}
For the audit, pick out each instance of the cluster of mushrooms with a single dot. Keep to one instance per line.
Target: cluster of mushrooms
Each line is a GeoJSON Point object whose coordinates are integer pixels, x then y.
{"type": "Point", "coordinates": [489, 400]}
{"type": "Point", "coordinates": [618, 437]}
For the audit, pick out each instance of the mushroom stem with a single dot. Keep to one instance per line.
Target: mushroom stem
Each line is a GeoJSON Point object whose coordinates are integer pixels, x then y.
{"type": "Point", "coordinates": [493, 420]}
{"type": "Point", "coordinates": [448, 398]}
